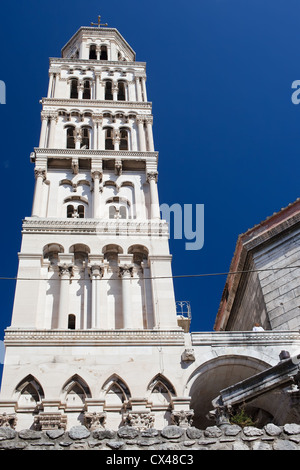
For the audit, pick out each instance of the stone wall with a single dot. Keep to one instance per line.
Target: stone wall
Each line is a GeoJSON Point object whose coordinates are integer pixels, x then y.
{"type": "Point", "coordinates": [173, 438]}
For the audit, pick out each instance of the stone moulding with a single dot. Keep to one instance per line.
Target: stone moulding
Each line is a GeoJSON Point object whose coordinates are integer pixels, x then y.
{"type": "Point", "coordinates": [132, 227]}
{"type": "Point", "coordinates": [19, 337]}
{"type": "Point", "coordinates": [245, 338]}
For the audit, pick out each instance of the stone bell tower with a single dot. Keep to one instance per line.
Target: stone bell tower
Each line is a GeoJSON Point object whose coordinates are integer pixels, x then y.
{"type": "Point", "coordinates": [94, 304]}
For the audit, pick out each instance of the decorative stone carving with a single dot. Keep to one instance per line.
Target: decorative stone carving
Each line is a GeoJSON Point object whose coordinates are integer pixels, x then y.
{"type": "Point", "coordinates": [140, 421]}
{"type": "Point", "coordinates": [188, 355]}
{"type": "Point", "coordinates": [44, 421]}
{"type": "Point", "coordinates": [182, 418]}
{"type": "Point", "coordinates": [94, 420]}
{"type": "Point", "coordinates": [8, 420]}
{"type": "Point", "coordinates": [126, 270]}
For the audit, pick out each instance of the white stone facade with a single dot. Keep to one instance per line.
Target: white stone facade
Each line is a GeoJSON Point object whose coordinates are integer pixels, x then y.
{"type": "Point", "coordinates": [94, 337]}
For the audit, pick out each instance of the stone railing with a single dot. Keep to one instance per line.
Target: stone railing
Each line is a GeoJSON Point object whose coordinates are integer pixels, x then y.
{"type": "Point", "coordinates": [171, 438]}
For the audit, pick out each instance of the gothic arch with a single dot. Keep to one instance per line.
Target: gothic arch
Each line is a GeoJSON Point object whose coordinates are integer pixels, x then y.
{"type": "Point", "coordinates": [206, 382]}
{"type": "Point", "coordinates": [29, 392]}
{"type": "Point", "coordinates": [115, 391]}
{"type": "Point", "coordinates": [161, 382]}
{"type": "Point", "coordinates": [75, 391]}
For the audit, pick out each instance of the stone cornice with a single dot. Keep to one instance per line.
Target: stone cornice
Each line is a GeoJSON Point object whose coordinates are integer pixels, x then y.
{"type": "Point", "coordinates": [114, 63]}
{"type": "Point", "coordinates": [58, 102]}
{"type": "Point", "coordinates": [96, 226]}
{"type": "Point", "coordinates": [245, 338]}
{"type": "Point", "coordinates": [101, 154]}
{"type": "Point", "coordinates": [22, 337]}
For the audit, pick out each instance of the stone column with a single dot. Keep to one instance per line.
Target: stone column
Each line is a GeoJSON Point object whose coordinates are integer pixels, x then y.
{"type": "Point", "coordinates": [116, 139]}
{"type": "Point", "coordinates": [80, 91]}
{"type": "Point", "coordinates": [138, 89]}
{"type": "Point", "coordinates": [40, 176]}
{"type": "Point", "coordinates": [115, 90]}
{"type": "Point", "coordinates": [125, 272]}
{"type": "Point", "coordinates": [44, 117]}
{"type": "Point", "coordinates": [97, 120]}
{"type": "Point", "coordinates": [154, 202]}
{"type": "Point", "coordinates": [53, 121]}
{"type": "Point", "coordinates": [96, 273]}
{"type": "Point", "coordinates": [141, 131]}
{"type": "Point", "coordinates": [144, 88]}
{"type": "Point", "coordinates": [96, 175]}
{"type": "Point", "coordinates": [149, 122]}
{"type": "Point", "coordinates": [65, 273]}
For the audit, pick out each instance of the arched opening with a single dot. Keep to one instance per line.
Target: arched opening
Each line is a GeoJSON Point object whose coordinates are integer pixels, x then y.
{"type": "Point", "coordinates": [123, 139]}
{"type": "Point", "coordinates": [121, 91]}
{"type": "Point", "coordinates": [212, 377]}
{"type": "Point", "coordinates": [93, 53]}
{"type": "Point", "coordinates": [103, 53]}
{"type": "Point", "coordinates": [109, 142]}
{"type": "Point", "coordinates": [74, 88]}
{"type": "Point", "coordinates": [85, 138]}
{"type": "Point", "coordinates": [29, 392]}
{"type": "Point", "coordinates": [70, 137]}
{"type": "Point", "coordinates": [71, 322]}
{"type": "Point", "coordinates": [86, 90]}
{"type": "Point", "coordinates": [108, 94]}
{"type": "Point", "coordinates": [75, 391]}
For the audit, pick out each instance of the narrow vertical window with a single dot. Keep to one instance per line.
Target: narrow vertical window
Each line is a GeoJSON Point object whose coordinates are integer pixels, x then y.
{"type": "Point", "coordinates": [71, 322]}
{"type": "Point", "coordinates": [93, 53]}
{"type": "Point", "coordinates": [70, 211]}
{"type": "Point", "coordinates": [103, 53]}
{"type": "Point", "coordinates": [70, 137]}
{"type": "Point", "coordinates": [124, 139]}
{"type": "Point", "coordinates": [108, 90]}
{"type": "Point", "coordinates": [121, 91]}
{"type": "Point", "coordinates": [74, 88]}
{"type": "Point", "coordinates": [85, 138]}
{"type": "Point", "coordinates": [109, 145]}
{"type": "Point", "coordinates": [80, 212]}
{"type": "Point", "coordinates": [86, 90]}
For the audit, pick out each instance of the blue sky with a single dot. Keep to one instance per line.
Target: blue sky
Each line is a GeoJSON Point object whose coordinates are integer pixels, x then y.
{"type": "Point", "coordinates": [219, 75]}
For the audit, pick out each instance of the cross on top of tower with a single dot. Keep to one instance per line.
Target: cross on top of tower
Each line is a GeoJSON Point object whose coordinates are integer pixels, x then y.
{"type": "Point", "coordinates": [99, 23]}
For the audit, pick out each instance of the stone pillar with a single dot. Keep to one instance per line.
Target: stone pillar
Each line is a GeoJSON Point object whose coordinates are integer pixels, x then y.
{"type": "Point", "coordinates": [141, 131]}
{"type": "Point", "coordinates": [65, 273]}
{"type": "Point", "coordinates": [96, 273]}
{"type": "Point", "coordinates": [125, 272]}
{"type": "Point", "coordinates": [149, 122]}
{"type": "Point", "coordinates": [53, 121]}
{"type": "Point", "coordinates": [97, 120]}
{"type": "Point", "coordinates": [96, 175]}
{"type": "Point", "coordinates": [115, 90]}
{"type": "Point", "coordinates": [116, 139]}
{"type": "Point", "coordinates": [40, 176]}
{"type": "Point", "coordinates": [144, 88]}
{"type": "Point", "coordinates": [44, 117]}
{"type": "Point", "coordinates": [154, 202]}
{"type": "Point", "coordinates": [80, 91]}
{"type": "Point", "coordinates": [138, 89]}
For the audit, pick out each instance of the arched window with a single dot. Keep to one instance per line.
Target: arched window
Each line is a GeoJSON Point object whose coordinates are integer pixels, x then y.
{"type": "Point", "coordinates": [70, 211]}
{"type": "Point", "coordinates": [112, 212]}
{"type": "Point", "coordinates": [71, 322]}
{"type": "Point", "coordinates": [70, 137]}
{"type": "Point", "coordinates": [124, 139]}
{"type": "Point", "coordinates": [108, 90]}
{"type": "Point", "coordinates": [74, 88]}
{"type": "Point", "coordinates": [123, 212]}
{"type": "Point", "coordinates": [85, 138]}
{"type": "Point", "coordinates": [86, 90]}
{"type": "Point", "coordinates": [109, 144]}
{"type": "Point", "coordinates": [103, 53]}
{"type": "Point", "coordinates": [93, 53]}
{"type": "Point", "coordinates": [121, 91]}
{"type": "Point", "coordinates": [80, 212]}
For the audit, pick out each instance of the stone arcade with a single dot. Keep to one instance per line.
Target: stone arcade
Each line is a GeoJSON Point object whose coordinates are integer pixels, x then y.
{"type": "Point", "coordinates": [95, 339]}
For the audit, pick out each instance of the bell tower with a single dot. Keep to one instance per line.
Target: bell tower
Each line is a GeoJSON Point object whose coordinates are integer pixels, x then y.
{"type": "Point", "coordinates": [94, 277]}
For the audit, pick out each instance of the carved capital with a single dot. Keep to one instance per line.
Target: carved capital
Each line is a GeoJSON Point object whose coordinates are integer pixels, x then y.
{"type": "Point", "coordinates": [65, 269]}
{"type": "Point", "coordinates": [152, 175]}
{"type": "Point", "coordinates": [96, 271]}
{"type": "Point", "coordinates": [40, 173]}
{"type": "Point", "coordinates": [126, 270]}
{"type": "Point", "coordinates": [94, 420]}
{"type": "Point", "coordinates": [140, 421]}
{"type": "Point", "coordinates": [8, 420]}
{"type": "Point", "coordinates": [182, 418]}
